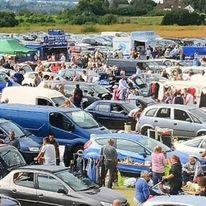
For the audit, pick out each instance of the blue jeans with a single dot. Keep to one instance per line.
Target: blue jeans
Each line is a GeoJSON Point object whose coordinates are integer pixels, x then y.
{"type": "Point", "coordinates": [157, 177]}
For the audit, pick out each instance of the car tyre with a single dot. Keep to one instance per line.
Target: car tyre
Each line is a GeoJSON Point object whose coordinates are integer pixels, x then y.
{"type": "Point", "coordinates": [201, 133]}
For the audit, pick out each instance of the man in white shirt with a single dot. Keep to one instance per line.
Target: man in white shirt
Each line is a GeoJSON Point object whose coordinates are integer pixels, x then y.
{"type": "Point", "coordinates": [62, 58]}
{"type": "Point", "coordinates": [47, 153]}
{"type": "Point", "coordinates": [123, 86]}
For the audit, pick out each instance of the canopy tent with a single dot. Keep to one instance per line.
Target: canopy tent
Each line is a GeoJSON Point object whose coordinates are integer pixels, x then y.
{"type": "Point", "coordinates": [12, 46]}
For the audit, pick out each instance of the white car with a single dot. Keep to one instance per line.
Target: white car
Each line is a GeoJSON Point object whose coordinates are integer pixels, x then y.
{"type": "Point", "coordinates": [176, 200]}
{"type": "Point", "coordinates": [196, 145]}
{"type": "Point", "coordinates": [30, 76]}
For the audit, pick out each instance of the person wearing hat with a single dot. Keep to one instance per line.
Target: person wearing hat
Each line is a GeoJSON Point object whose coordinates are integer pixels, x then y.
{"type": "Point", "coordinates": [191, 170]}
{"type": "Point", "coordinates": [110, 161]}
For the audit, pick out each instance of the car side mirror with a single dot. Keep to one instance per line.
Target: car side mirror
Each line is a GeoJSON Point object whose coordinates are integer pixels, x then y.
{"type": "Point", "coordinates": [188, 120]}
{"type": "Point", "coordinates": [70, 127]}
{"type": "Point", "coordinates": [62, 191]}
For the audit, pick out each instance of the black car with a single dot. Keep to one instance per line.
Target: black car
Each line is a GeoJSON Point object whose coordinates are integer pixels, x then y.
{"type": "Point", "coordinates": [55, 185]}
{"type": "Point", "coordinates": [10, 158]}
{"type": "Point", "coordinates": [8, 201]}
{"type": "Point", "coordinates": [29, 148]}
{"type": "Point", "coordinates": [91, 91]}
{"type": "Point", "coordinates": [112, 114]}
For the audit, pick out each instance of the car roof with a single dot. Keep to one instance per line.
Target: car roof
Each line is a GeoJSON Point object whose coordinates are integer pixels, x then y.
{"type": "Point", "coordinates": [25, 107]}
{"type": "Point", "coordinates": [44, 168]}
{"type": "Point", "coordinates": [190, 200]}
{"type": "Point", "coordinates": [112, 101]}
{"type": "Point", "coordinates": [133, 137]}
{"type": "Point", "coordinates": [175, 106]}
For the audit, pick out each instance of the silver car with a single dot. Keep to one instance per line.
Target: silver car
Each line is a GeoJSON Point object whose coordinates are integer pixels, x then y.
{"type": "Point", "coordinates": [176, 200]}
{"type": "Point", "coordinates": [186, 121]}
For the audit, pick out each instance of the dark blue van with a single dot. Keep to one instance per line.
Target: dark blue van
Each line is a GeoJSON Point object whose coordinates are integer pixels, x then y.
{"type": "Point", "coordinates": [71, 126]}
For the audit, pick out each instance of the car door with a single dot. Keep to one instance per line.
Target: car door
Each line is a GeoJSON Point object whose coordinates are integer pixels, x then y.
{"type": "Point", "coordinates": [119, 116]}
{"type": "Point", "coordinates": [23, 188]}
{"type": "Point", "coordinates": [61, 127]}
{"type": "Point", "coordinates": [162, 118]}
{"type": "Point", "coordinates": [48, 193]}
{"type": "Point", "coordinates": [130, 149]}
{"type": "Point", "coordinates": [102, 114]}
{"type": "Point", "coordinates": [183, 124]}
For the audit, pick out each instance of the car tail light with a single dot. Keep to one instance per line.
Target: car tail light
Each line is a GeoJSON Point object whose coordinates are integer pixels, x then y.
{"type": "Point", "coordinates": [87, 144]}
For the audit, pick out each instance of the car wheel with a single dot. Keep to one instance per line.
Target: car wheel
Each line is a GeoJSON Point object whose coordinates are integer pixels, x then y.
{"type": "Point", "coordinates": [201, 133]}
{"type": "Point", "coordinates": [144, 130]}
{"type": "Point", "coordinates": [26, 85]}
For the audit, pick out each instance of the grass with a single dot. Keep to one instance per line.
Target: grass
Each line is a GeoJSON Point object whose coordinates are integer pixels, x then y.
{"type": "Point", "coordinates": [128, 193]}
{"type": "Point", "coordinates": [128, 24]}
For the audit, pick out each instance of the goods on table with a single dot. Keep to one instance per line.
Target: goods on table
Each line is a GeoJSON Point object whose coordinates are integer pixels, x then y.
{"type": "Point", "coordinates": [191, 188]}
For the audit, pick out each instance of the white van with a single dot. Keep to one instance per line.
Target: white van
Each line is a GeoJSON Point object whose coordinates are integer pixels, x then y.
{"type": "Point", "coordinates": [32, 96]}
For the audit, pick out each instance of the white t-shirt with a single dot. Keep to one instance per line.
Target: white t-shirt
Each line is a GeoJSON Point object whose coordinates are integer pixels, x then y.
{"type": "Point", "coordinates": [189, 99]}
{"type": "Point", "coordinates": [49, 154]}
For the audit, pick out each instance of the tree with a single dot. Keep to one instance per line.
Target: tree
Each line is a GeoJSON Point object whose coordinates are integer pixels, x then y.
{"type": "Point", "coordinates": [8, 19]}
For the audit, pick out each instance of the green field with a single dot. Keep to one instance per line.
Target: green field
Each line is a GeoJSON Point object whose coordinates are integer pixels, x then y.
{"type": "Point", "coordinates": [127, 24]}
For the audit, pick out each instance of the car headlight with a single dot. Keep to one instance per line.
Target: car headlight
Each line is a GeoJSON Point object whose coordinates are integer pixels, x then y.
{"type": "Point", "coordinates": [106, 204]}
{"type": "Point", "coordinates": [33, 149]}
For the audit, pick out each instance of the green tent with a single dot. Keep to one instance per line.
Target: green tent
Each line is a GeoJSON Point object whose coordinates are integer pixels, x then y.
{"type": "Point", "coordinates": [12, 46]}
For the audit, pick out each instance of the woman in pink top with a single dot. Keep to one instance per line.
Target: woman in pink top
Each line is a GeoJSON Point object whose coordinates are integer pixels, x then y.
{"type": "Point", "coordinates": [158, 164]}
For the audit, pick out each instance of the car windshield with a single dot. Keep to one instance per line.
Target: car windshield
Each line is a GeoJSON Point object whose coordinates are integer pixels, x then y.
{"type": "Point", "coordinates": [130, 106]}
{"type": "Point", "coordinates": [9, 126]}
{"type": "Point", "coordinates": [12, 158]}
{"type": "Point", "coordinates": [151, 144]}
{"type": "Point", "coordinates": [2, 77]}
{"type": "Point", "coordinates": [59, 101]}
{"type": "Point", "coordinates": [198, 113]}
{"type": "Point", "coordinates": [83, 119]}
{"type": "Point", "coordinates": [98, 89]}
{"type": "Point", "coordinates": [75, 182]}
{"type": "Point", "coordinates": [139, 81]}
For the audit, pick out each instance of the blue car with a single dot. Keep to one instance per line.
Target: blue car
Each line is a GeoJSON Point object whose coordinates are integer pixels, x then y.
{"type": "Point", "coordinates": [135, 147]}
{"type": "Point", "coordinates": [28, 147]}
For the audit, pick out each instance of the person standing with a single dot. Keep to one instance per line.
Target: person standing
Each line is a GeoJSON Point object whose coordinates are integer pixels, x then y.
{"type": "Point", "coordinates": [175, 176]}
{"type": "Point", "coordinates": [189, 98]}
{"type": "Point", "coordinates": [110, 162]}
{"type": "Point", "coordinates": [18, 77]}
{"type": "Point", "coordinates": [47, 153]}
{"type": "Point", "coordinates": [123, 86]}
{"type": "Point", "coordinates": [158, 165]}
{"type": "Point", "coordinates": [78, 96]}
{"type": "Point", "coordinates": [56, 146]}
{"type": "Point", "coordinates": [178, 99]}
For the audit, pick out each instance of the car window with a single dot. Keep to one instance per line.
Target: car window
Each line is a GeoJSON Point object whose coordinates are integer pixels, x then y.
{"type": "Point", "coordinates": [60, 121]}
{"type": "Point", "coordinates": [48, 183]}
{"type": "Point", "coordinates": [25, 179]}
{"type": "Point", "coordinates": [44, 102]}
{"type": "Point", "coordinates": [164, 113]}
{"type": "Point", "coordinates": [103, 108]}
{"type": "Point", "coordinates": [193, 143]}
{"type": "Point", "coordinates": [181, 115]}
{"type": "Point", "coordinates": [151, 112]}
{"type": "Point", "coordinates": [126, 145]}
{"type": "Point", "coordinates": [116, 108]}
{"type": "Point", "coordinates": [195, 119]}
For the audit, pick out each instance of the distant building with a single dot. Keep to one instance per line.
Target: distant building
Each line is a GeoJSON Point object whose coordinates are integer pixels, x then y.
{"type": "Point", "coordinates": [169, 5]}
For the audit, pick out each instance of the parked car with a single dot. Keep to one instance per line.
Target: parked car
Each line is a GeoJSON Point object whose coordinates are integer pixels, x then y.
{"type": "Point", "coordinates": [33, 96]}
{"type": "Point", "coordinates": [143, 102]}
{"type": "Point", "coordinates": [196, 145]}
{"type": "Point", "coordinates": [175, 200]}
{"type": "Point", "coordinates": [71, 126]}
{"type": "Point", "coordinates": [8, 201]}
{"type": "Point", "coordinates": [91, 91]}
{"type": "Point", "coordinates": [134, 147]}
{"type": "Point", "coordinates": [112, 114]}
{"type": "Point", "coordinates": [69, 74]}
{"type": "Point", "coordinates": [10, 158]}
{"type": "Point", "coordinates": [30, 76]}
{"type": "Point", "coordinates": [55, 185]}
{"type": "Point", "coordinates": [28, 147]}
{"type": "Point", "coordinates": [3, 75]}
{"type": "Point", "coordinates": [186, 121]}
